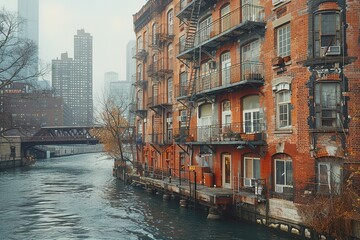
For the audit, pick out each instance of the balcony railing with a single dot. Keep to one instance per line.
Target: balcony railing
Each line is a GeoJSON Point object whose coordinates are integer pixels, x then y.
{"type": "Point", "coordinates": [139, 53]}
{"type": "Point", "coordinates": [221, 133]}
{"type": "Point", "coordinates": [160, 67]}
{"type": "Point", "coordinates": [160, 138]}
{"type": "Point", "coordinates": [224, 78]}
{"type": "Point", "coordinates": [226, 24]}
{"type": "Point", "coordinates": [161, 99]}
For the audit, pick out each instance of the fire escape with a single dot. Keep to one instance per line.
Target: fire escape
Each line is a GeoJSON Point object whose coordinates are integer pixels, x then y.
{"type": "Point", "coordinates": [203, 43]}
{"type": "Point", "coordinates": [160, 70]}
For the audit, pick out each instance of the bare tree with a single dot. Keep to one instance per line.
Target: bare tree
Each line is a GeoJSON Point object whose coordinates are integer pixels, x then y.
{"type": "Point", "coordinates": [18, 60]}
{"type": "Point", "coordinates": [116, 134]}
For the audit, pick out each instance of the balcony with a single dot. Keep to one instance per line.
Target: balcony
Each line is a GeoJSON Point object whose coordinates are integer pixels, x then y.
{"type": "Point", "coordinates": [160, 68]}
{"type": "Point", "coordinates": [139, 54]}
{"type": "Point", "coordinates": [183, 8]}
{"type": "Point", "coordinates": [218, 80]}
{"type": "Point", "coordinates": [138, 81]}
{"type": "Point", "coordinates": [162, 36]}
{"type": "Point", "coordinates": [160, 138]}
{"type": "Point", "coordinates": [234, 133]}
{"type": "Point", "coordinates": [159, 100]}
{"type": "Point", "coordinates": [227, 28]}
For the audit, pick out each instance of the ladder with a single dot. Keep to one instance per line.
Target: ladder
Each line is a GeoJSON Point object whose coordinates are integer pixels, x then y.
{"type": "Point", "coordinates": [192, 25]}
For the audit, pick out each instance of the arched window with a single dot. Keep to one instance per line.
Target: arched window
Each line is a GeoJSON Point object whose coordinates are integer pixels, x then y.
{"type": "Point", "coordinates": [139, 44]}
{"type": "Point", "coordinates": [154, 35]}
{"type": "Point", "coordinates": [225, 18]}
{"type": "Point", "coordinates": [329, 175]}
{"type": "Point", "coordinates": [170, 19]}
{"type": "Point", "coordinates": [283, 172]}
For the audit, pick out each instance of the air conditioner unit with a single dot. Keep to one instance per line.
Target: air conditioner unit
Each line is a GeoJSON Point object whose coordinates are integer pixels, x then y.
{"type": "Point", "coordinates": [333, 50]}
{"type": "Point", "coordinates": [277, 2]}
{"type": "Point", "coordinates": [181, 118]}
{"type": "Point", "coordinates": [169, 120]}
{"type": "Point", "coordinates": [279, 188]}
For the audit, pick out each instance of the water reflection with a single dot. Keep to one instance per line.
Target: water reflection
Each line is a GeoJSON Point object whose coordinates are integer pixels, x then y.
{"type": "Point", "coordinates": [76, 197]}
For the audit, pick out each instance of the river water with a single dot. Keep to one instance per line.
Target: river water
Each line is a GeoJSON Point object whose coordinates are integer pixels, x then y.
{"type": "Point", "coordinates": [77, 197]}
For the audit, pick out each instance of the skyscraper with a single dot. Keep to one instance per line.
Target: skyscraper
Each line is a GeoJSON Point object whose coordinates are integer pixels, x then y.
{"type": "Point", "coordinates": [83, 105]}
{"type": "Point", "coordinates": [109, 77]}
{"type": "Point", "coordinates": [29, 11]}
{"type": "Point", "coordinates": [72, 79]}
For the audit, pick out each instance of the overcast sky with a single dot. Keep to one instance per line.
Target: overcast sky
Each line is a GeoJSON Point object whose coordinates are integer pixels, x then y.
{"type": "Point", "coordinates": [108, 21]}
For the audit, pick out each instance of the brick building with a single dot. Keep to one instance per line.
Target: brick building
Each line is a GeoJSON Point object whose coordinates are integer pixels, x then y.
{"type": "Point", "coordinates": [261, 94]}
{"type": "Point", "coordinates": [30, 109]}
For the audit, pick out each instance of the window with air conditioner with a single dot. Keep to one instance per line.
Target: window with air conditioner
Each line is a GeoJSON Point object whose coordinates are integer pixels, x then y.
{"type": "Point", "coordinates": [283, 174]}
{"type": "Point", "coordinates": [251, 171]}
{"type": "Point", "coordinates": [328, 105]}
{"type": "Point", "coordinates": [327, 38]}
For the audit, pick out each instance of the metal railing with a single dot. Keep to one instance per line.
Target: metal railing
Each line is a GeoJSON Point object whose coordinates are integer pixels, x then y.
{"type": "Point", "coordinates": [160, 138]}
{"type": "Point", "coordinates": [160, 99]}
{"type": "Point", "coordinates": [256, 186]}
{"type": "Point", "coordinates": [221, 133]}
{"type": "Point", "coordinates": [246, 13]}
{"type": "Point", "coordinates": [160, 67]}
{"type": "Point", "coordinates": [226, 77]}
{"type": "Point", "coordinates": [139, 53]}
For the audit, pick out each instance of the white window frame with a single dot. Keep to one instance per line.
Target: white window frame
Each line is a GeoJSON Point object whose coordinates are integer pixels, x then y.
{"type": "Point", "coordinates": [279, 187]}
{"type": "Point", "coordinates": [248, 180]}
{"type": "Point", "coordinates": [205, 28]}
{"type": "Point", "coordinates": [283, 40]}
{"type": "Point", "coordinates": [283, 119]}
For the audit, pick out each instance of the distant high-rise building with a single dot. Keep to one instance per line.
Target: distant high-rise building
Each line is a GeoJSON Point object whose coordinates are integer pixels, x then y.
{"type": "Point", "coordinates": [29, 11]}
{"type": "Point", "coordinates": [72, 79]}
{"type": "Point", "coordinates": [108, 78]}
{"type": "Point", "coordinates": [130, 61]}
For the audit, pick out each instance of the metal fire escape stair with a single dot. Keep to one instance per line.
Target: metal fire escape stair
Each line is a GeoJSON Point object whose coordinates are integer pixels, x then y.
{"type": "Point", "coordinates": [190, 41]}
{"type": "Point", "coordinates": [192, 25]}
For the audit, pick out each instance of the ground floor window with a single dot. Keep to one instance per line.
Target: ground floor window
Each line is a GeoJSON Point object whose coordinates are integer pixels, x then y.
{"type": "Point", "coordinates": [283, 174]}
{"type": "Point", "coordinates": [251, 171]}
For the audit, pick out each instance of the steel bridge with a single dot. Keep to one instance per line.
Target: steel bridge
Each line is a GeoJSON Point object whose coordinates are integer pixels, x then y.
{"type": "Point", "coordinates": [61, 135]}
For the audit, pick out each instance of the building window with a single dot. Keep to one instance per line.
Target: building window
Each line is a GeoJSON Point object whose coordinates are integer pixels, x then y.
{"type": "Point", "coordinates": [283, 110]}
{"type": "Point", "coordinates": [139, 72]}
{"type": "Point", "coordinates": [251, 114]}
{"type": "Point", "coordinates": [182, 161]}
{"type": "Point", "coordinates": [251, 171]}
{"type": "Point", "coordinates": [283, 41]}
{"type": "Point", "coordinates": [225, 18]}
{"type": "Point", "coordinates": [183, 84]}
{"type": "Point", "coordinates": [329, 177]}
{"type": "Point", "coordinates": [327, 105]}
{"type": "Point", "coordinates": [170, 18]}
{"type": "Point", "coordinates": [181, 43]}
{"type": "Point", "coordinates": [169, 88]}
{"type": "Point", "coordinates": [205, 27]}
{"type": "Point", "coordinates": [283, 174]}
{"type": "Point", "coordinates": [170, 57]}
{"type": "Point", "coordinates": [326, 32]}
{"type": "Point", "coordinates": [139, 44]}
{"type": "Point", "coordinates": [154, 34]}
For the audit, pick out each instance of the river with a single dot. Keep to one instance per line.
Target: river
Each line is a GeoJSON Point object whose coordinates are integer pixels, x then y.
{"type": "Point", "coordinates": [77, 197]}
